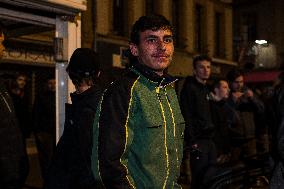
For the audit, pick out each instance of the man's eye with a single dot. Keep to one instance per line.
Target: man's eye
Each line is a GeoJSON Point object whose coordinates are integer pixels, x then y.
{"type": "Point", "coordinates": [152, 40]}
{"type": "Point", "coordinates": [168, 40]}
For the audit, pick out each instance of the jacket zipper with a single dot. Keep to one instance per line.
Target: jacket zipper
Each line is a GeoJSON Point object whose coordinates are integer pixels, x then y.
{"type": "Point", "coordinates": [175, 137]}
{"type": "Point", "coordinates": [6, 103]}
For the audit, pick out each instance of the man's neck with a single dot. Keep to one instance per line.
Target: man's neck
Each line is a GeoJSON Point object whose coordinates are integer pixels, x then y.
{"type": "Point", "coordinates": [202, 81]}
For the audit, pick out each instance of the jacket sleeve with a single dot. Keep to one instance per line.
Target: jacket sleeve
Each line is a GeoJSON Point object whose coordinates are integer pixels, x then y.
{"type": "Point", "coordinates": [280, 133]}
{"type": "Point", "coordinates": [112, 138]}
{"type": "Point", "coordinates": [185, 104]}
{"type": "Point", "coordinates": [85, 144]}
{"type": "Point", "coordinates": [254, 104]}
{"type": "Point", "coordinates": [258, 104]}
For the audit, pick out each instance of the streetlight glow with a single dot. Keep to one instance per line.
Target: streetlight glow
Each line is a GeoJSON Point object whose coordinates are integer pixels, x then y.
{"type": "Point", "coordinates": [261, 42]}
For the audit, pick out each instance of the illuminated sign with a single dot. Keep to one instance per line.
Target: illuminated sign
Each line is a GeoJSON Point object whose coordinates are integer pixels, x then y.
{"type": "Point", "coordinates": [28, 57]}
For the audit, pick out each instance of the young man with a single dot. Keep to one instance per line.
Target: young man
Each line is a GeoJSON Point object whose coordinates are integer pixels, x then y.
{"type": "Point", "coordinates": [220, 117]}
{"type": "Point", "coordinates": [139, 121]}
{"type": "Point", "coordinates": [195, 106]}
{"type": "Point", "coordinates": [71, 164]}
{"type": "Point", "coordinates": [245, 105]}
{"type": "Point", "coordinates": [21, 103]}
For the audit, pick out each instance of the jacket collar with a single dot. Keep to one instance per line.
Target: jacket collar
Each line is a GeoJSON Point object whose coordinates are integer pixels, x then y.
{"type": "Point", "coordinates": [192, 79]}
{"type": "Point", "coordinates": [147, 72]}
{"type": "Point", "coordinates": [75, 97]}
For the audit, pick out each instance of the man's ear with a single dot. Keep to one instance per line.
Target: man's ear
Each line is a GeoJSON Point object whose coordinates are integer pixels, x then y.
{"type": "Point", "coordinates": [133, 49]}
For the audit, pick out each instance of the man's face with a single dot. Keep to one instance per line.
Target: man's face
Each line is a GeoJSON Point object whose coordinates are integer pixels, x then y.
{"type": "Point", "coordinates": [238, 84]}
{"type": "Point", "coordinates": [51, 84]}
{"type": "Point", "coordinates": [223, 90]}
{"type": "Point", "coordinates": [2, 48]}
{"type": "Point", "coordinates": [155, 49]}
{"type": "Point", "coordinates": [202, 70]}
{"type": "Point", "coordinates": [21, 81]}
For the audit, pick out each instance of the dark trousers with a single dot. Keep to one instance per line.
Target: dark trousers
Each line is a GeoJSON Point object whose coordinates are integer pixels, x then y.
{"type": "Point", "coordinates": [45, 145]}
{"type": "Point", "coordinates": [203, 163]}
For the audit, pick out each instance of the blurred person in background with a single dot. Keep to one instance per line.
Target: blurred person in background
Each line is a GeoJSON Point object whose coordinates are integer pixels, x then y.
{"type": "Point", "coordinates": [219, 111]}
{"type": "Point", "coordinates": [277, 130]}
{"type": "Point", "coordinates": [245, 105]}
{"type": "Point", "coordinates": [13, 157]}
{"type": "Point", "coordinates": [21, 103]}
{"type": "Point", "coordinates": [44, 124]}
{"type": "Point", "coordinates": [199, 130]}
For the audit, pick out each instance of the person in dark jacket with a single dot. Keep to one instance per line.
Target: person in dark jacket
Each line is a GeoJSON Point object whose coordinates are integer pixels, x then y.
{"type": "Point", "coordinates": [44, 124]}
{"type": "Point", "coordinates": [277, 179]}
{"type": "Point", "coordinates": [71, 164]}
{"type": "Point", "coordinates": [21, 103]}
{"type": "Point", "coordinates": [13, 167]}
{"type": "Point", "coordinates": [140, 138]}
{"type": "Point", "coordinates": [219, 109]}
{"type": "Point", "coordinates": [195, 107]}
{"type": "Point", "coordinates": [245, 104]}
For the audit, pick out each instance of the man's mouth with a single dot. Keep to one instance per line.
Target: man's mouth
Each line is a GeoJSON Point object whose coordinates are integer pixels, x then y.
{"type": "Point", "coordinates": [160, 55]}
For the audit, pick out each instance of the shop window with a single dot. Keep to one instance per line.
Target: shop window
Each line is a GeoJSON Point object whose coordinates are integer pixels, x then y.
{"type": "Point", "coordinates": [119, 20]}
{"type": "Point", "coordinates": [200, 29]}
{"type": "Point", "coordinates": [176, 23]}
{"type": "Point", "coordinates": [219, 35]}
{"type": "Point", "coordinates": [250, 21]}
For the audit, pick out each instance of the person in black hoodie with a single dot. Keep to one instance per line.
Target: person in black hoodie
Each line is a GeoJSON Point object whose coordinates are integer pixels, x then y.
{"type": "Point", "coordinates": [71, 164]}
{"type": "Point", "coordinates": [195, 107]}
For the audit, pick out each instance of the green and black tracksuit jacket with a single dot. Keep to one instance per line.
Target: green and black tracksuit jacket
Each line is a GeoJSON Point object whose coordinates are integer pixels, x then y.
{"type": "Point", "coordinates": [140, 138]}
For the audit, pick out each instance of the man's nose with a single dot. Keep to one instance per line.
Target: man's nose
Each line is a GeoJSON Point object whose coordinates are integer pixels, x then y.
{"type": "Point", "coordinates": [161, 45]}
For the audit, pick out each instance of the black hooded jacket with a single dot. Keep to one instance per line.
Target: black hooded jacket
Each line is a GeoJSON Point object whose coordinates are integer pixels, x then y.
{"type": "Point", "coordinates": [195, 107]}
{"type": "Point", "coordinates": [71, 164]}
{"type": "Point", "coordinates": [12, 150]}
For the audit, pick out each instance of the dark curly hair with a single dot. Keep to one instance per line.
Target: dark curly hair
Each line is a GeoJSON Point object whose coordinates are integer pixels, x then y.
{"type": "Point", "coordinates": [152, 22]}
{"type": "Point", "coordinates": [234, 73]}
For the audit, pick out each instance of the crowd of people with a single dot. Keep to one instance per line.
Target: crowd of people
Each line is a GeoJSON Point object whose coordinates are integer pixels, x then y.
{"type": "Point", "coordinates": [141, 131]}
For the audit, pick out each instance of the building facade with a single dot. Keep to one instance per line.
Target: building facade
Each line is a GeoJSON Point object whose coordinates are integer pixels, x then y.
{"type": "Point", "coordinates": [202, 26]}
{"type": "Point", "coordinates": [259, 20]}
{"type": "Point", "coordinates": [41, 35]}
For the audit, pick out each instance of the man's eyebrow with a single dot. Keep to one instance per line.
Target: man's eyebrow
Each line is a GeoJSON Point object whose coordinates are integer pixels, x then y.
{"type": "Point", "coordinates": [168, 36]}
{"type": "Point", "coordinates": [151, 36]}
{"type": "Point", "coordinates": [155, 36]}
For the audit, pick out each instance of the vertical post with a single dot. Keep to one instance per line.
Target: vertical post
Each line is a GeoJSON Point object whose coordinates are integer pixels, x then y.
{"type": "Point", "coordinates": [61, 77]}
{"type": "Point", "coordinates": [69, 30]}
{"type": "Point", "coordinates": [186, 29]}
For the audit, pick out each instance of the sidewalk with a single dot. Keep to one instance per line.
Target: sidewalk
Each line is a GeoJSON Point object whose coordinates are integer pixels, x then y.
{"type": "Point", "coordinates": [34, 180]}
